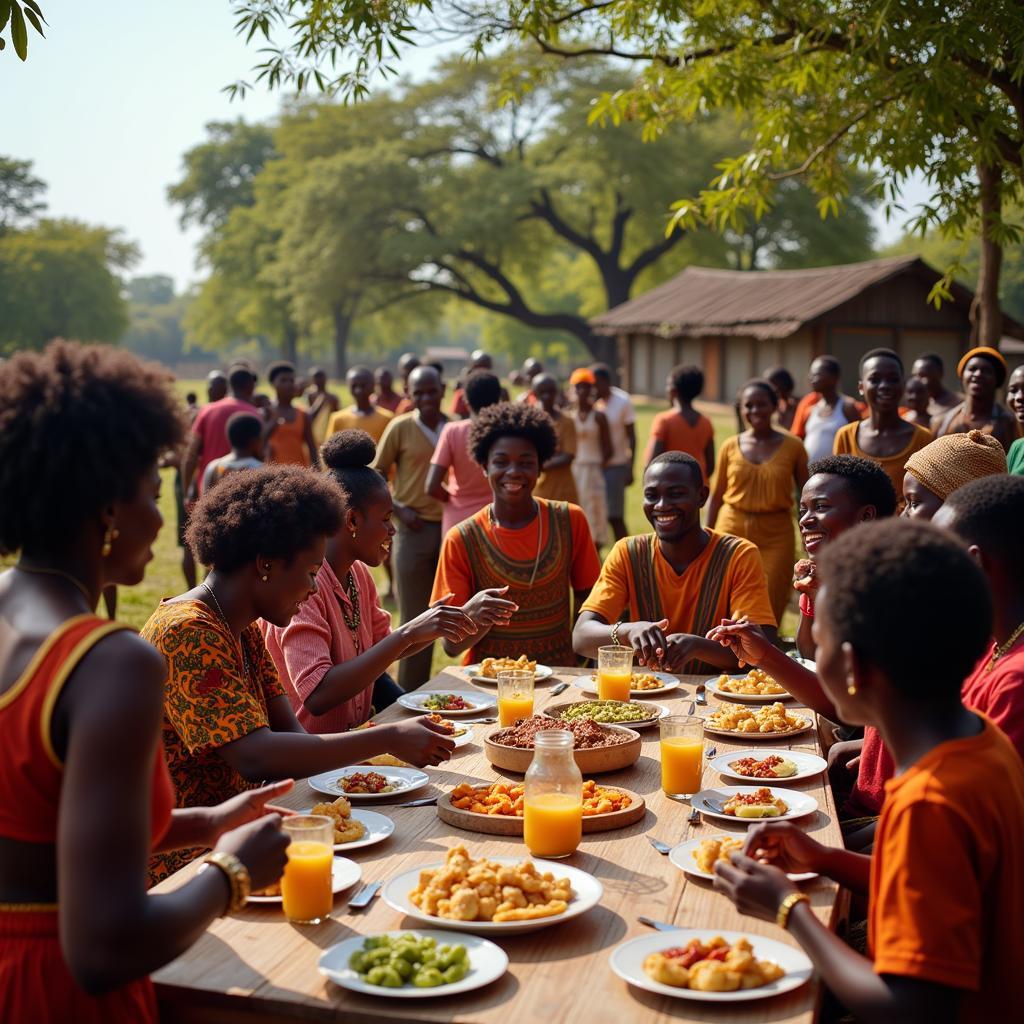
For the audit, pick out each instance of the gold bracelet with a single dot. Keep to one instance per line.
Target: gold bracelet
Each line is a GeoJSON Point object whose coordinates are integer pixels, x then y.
{"type": "Point", "coordinates": [787, 905]}
{"type": "Point", "coordinates": [237, 875]}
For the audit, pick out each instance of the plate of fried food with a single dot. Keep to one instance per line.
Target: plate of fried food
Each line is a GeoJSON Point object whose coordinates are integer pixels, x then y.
{"type": "Point", "coordinates": [344, 873]}
{"type": "Point", "coordinates": [767, 723]}
{"type": "Point", "coordinates": [499, 896]}
{"type": "Point", "coordinates": [697, 857]}
{"type": "Point", "coordinates": [723, 967]}
{"type": "Point", "coordinates": [641, 684]}
{"type": "Point", "coordinates": [487, 670]}
{"type": "Point", "coordinates": [768, 764]}
{"type": "Point", "coordinates": [634, 714]}
{"type": "Point", "coordinates": [449, 704]}
{"type": "Point", "coordinates": [354, 829]}
{"type": "Point", "coordinates": [414, 964]}
{"type": "Point", "coordinates": [745, 804]}
{"type": "Point", "coordinates": [756, 686]}
{"type": "Point", "coordinates": [360, 784]}
{"type": "Point", "coordinates": [497, 809]}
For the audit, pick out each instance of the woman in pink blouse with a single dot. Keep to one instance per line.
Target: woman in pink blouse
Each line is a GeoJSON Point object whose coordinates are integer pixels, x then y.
{"type": "Point", "coordinates": [454, 478]}
{"type": "Point", "coordinates": [340, 640]}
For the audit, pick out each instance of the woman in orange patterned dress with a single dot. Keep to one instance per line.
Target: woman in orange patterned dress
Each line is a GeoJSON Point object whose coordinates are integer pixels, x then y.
{"type": "Point", "coordinates": [289, 431]}
{"type": "Point", "coordinates": [84, 790]}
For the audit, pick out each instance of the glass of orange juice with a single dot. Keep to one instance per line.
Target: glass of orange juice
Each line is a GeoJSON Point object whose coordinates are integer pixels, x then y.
{"type": "Point", "coordinates": [515, 696]}
{"type": "Point", "coordinates": [682, 755]}
{"type": "Point", "coordinates": [306, 890]}
{"type": "Point", "coordinates": [553, 796]}
{"type": "Point", "coordinates": [614, 672]}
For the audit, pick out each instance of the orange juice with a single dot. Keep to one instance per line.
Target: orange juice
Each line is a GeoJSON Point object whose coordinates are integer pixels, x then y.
{"type": "Point", "coordinates": [681, 764]}
{"type": "Point", "coordinates": [613, 685]}
{"type": "Point", "coordinates": [511, 709]}
{"type": "Point", "coordinates": [306, 885]}
{"type": "Point", "coordinates": [553, 824]}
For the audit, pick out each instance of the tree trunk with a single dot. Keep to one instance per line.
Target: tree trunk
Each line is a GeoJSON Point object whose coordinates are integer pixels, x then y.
{"type": "Point", "coordinates": [986, 317]}
{"type": "Point", "coordinates": [342, 328]}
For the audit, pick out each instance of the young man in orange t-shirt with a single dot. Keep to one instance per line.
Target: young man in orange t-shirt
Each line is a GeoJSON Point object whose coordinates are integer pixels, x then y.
{"type": "Point", "coordinates": [945, 882]}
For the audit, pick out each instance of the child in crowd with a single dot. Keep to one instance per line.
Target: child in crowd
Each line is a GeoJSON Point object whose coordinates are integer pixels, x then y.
{"type": "Point", "coordinates": [362, 414]}
{"type": "Point", "coordinates": [682, 428]}
{"type": "Point", "coordinates": [917, 401]}
{"type": "Point", "coordinates": [288, 431]}
{"type": "Point", "coordinates": [245, 432]}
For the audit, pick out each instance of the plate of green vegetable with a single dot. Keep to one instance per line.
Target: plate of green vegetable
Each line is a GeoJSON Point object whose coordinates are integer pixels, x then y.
{"type": "Point", "coordinates": [413, 964]}
{"type": "Point", "coordinates": [634, 714]}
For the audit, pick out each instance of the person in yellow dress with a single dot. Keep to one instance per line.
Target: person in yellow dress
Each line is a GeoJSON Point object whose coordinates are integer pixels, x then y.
{"type": "Point", "coordinates": [758, 474]}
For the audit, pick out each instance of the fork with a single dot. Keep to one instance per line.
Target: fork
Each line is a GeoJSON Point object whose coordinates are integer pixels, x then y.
{"type": "Point", "coordinates": [693, 818]}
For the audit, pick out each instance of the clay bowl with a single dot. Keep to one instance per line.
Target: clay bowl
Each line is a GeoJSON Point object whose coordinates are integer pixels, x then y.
{"type": "Point", "coordinates": [591, 761]}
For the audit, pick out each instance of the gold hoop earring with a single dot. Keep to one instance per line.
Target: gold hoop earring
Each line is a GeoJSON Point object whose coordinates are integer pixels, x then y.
{"type": "Point", "coordinates": [108, 541]}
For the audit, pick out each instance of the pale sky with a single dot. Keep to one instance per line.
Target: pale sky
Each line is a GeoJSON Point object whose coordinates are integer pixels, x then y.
{"type": "Point", "coordinates": [107, 104]}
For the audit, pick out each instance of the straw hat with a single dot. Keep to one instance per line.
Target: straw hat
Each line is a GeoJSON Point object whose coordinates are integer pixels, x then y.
{"type": "Point", "coordinates": [956, 459]}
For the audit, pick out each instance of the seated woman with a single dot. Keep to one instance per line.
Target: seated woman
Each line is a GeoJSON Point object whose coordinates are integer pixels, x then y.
{"type": "Point", "coordinates": [949, 462]}
{"type": "Point", "coordinates": [84, 790]}
{"type": "Point", "coordinates": [842, 491]}
{"type": "Point", "coordinates": [227, 721]}
{"type": "Point", "coordinates": [982, 371]}
{"type": "Point", "coordinates": [676, 583]}
{"type": "Point", "coordinates": [340, 640]}
{"type": "Point", "coordinates": [517, 565]}
{"type": "Point", "coordinates": [945, 882]}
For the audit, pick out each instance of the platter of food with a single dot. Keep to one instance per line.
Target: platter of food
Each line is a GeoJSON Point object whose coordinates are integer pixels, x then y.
{"type": "Point", "coordinates": [597, 748]}
{"type": "Point", "coordinates": [642, 684]}
{"type": "Point", "coordinates": [697, 857]}
{"type": "Point", "coordinates": [344, 873]}
{"type": "Point", "coordinates": [746, 804]}
{"type": "Point", "coordinates": [360, 784]}
{"type": "Point", "coordinates": [497, 809]}
{"type": "Point", "coordinates": [499, 896]}
{"type": "Point", "coordinates": [766, 723]}
{"type": "Point", "coordinates": [758, 763]}
{"type": "Point", "coordinates": [756, 687]}
{"type": "Point", "coordinates": [413, 965]}
{"type": "Point", "coordinates": [487, 670]}
{"type": "Point", "coordinates": [447, 703]}
{"type": "Point", "coordinates": [633, 714]}
{"type": "Point", "coordinates": [722, 967]}
{"type": "Point", "coordinates": [354, 829]}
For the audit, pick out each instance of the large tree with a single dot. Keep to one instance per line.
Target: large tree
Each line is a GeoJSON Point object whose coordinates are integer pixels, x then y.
{"type": "Point", "coordinates": [908, 86]}
{"type": "Point", "coordinates": [21, 193]}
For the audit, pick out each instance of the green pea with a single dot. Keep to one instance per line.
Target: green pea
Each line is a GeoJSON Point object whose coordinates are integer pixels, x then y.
{"type": "Point", "coordinates": [379, 955]}
{"type": "Point", "coordinates": [428, 977]}
{"type": "Point", "coordinates": [384, 975]}
{"type": "Point", "coordinates": [401, 965]}
{"type": "Point", "coordinates": [376, 941]}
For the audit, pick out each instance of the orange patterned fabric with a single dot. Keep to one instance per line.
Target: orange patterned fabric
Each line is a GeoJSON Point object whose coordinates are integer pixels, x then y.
{"type": "Point", "coordinates": [210, 700]}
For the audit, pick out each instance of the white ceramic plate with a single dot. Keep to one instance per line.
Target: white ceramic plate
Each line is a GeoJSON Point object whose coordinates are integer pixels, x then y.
{"type": "Point", "coordinates": [799, 803]}
{"type": "Point", "coordinates": [378, 828]}
{"type": "Point", "coordinates": [627, 961]}
{"type": "Point", "coordinates": [808, 765]}
{"type": "Point", "coordinates": [682, 857]}
{"type": "Point", "coordinates": [405, 780]}
{"type": "Point", "coordinates": [741, 698]}
{"type": "Point", "coordinates": [588, 684]}
{"type": "Point", "coordinates": [344, 873]}
{"type": "Point", "coordinates": [657, 712]}
{"type": "Point", "coordinates": [480, 702]}
{"type": "Point", "coordinates": [487, 963]}
{"type": "Point", "coordinates": [735, 734]}
{"type": "Point", "coordinates": [587, 888]}
{"type": "Point", "coordinates": [540, 673]}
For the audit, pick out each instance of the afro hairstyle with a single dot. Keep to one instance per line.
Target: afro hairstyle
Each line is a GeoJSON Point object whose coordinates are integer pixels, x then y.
{"type": "Point", "coordinates": [508, 419]}
{"type": "Point", "coordinates": [867, 480]}
{"type": "Point", "coordinates": [989, 512]}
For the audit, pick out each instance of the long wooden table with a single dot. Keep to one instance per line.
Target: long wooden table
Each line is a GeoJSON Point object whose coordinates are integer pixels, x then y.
{"type": "Point", "coordinates": [255, 966]}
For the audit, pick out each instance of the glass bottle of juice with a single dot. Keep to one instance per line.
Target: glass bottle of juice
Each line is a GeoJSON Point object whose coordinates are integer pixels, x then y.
{"type": "Point", "coordinates": [553, 797]}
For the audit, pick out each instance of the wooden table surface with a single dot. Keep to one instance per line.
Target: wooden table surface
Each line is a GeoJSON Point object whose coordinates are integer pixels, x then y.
{"type": "Point", "coordinates": [254, 965]}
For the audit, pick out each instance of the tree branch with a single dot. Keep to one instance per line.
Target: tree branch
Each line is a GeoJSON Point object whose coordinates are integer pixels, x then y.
{"type": "Point", "coordinates": [544, 209]}
{"type": "Point", "coordinates": [652, 255]}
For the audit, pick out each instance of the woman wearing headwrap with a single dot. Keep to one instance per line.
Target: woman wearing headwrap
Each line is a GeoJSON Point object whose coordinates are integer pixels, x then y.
{"type": "Point", "coordinates": [939, 468]}
{"type": "Point", "coordinates": [981, 371]}
{"type": "Point", "coordinates": [593, 450]}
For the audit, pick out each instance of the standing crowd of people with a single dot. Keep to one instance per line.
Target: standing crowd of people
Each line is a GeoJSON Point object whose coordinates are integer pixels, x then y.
{"type": "Point", "coordinates": [129, 755]}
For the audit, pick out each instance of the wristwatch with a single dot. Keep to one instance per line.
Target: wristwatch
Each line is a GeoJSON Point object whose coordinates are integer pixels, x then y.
{"type": "Point", "coordinates": [787, 905]}
{"type": "Point", "coordinates": [237, 875]}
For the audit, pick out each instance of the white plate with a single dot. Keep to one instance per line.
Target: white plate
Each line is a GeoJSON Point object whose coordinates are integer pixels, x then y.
{"type": "Point", "coordinates": [808, 765]}
{"type": "Point", "coordinates": [540, 673]}
{"type": "Point", "coordinates": [487, 963]}
{"type": "Point", "coordinates": [627, 961]}
{"type": "Point", "coordinates": [799, 803]}
{"type": "Point", "coordinates": [739, 698]}
{"type": "Point", "coordinates": [588, 684]}
{"type": "Point", "coordinates": [587, 888]}
{"type": "Point", "coordinates": [405, 780]}
{"type": "Point", "coordinates": [481, 702]}
{"type": "Point", "coordinates": [682, 857]}
{"type": "Point", "coordinates": [344, 873]}
{"type": "Point", "coordinates": [378, 828]}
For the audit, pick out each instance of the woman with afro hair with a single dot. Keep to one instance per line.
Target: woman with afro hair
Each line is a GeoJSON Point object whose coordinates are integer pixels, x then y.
{"type": "Point", "coordinates": [85, 796]}
{"type": "Point", "coordinates": [341, 640]}
{"type": "Point", "coordinates": [227, 721]}
{"type": "Point", "coordinates": [516, 566]}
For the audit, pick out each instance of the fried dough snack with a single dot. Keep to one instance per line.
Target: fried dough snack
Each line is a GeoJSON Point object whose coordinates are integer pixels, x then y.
{"type": "Point", "coordinates": [506, 798]}
{"type": "Point", "coordinates": [773, 718]}
{"type": "Point", "coordinates": [645, 681]}
{"type": "Point", "coordinates": [483, 890]}
{"type": "Point", "coordinates": [717, 848]}
{"type": "Point", "coordinates": [346, 828]}
{"type": "Point", "coordinates": [712, 966]}
{"type": "Point", "coordinates": [490, 667]}
{"type": "Point", "coordinates": [756, 682]}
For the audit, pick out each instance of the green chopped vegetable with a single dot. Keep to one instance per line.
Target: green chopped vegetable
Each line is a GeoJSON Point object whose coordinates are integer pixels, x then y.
{"type": "Point", "coordinates": [394, 961]}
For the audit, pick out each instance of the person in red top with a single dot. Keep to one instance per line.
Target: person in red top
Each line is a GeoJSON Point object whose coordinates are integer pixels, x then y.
{"type": "Point", "coordinates": [682, 428]}
{"type": "Point", "coordinates": [945, 881]}
{"type": "Point", "coordinates": [84, 789]}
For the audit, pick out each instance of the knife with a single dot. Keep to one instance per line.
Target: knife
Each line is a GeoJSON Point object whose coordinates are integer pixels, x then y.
{"type": "Point", "coordinates": [660, 926]}
{"type": "Point", "coordinates": [560, 688]}
{"type": "Point", "coordinates": [425, 801]}
{"type": "Point", "coordinates": [364, 896]}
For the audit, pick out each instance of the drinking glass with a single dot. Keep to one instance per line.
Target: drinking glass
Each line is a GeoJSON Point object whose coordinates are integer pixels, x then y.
{"type": "Point", "coordinates": [614, 672]}
{"type": "Point", "coordinates": [682, 755]}
{"type": "Point", "coordinates": [515, 696]}
{"type": "Point", "coordinates": [306, 890]}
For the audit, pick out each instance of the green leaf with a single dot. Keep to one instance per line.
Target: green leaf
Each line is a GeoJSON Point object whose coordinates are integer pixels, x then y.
{"type": "Point", "coordinates": [32, 5]}
{"type": "Point", "coordinates": [19, 33]}
{"type": "Point", "coordinates": [5, 14]}
{"type": "Point", "coordinates": [31, 15]}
